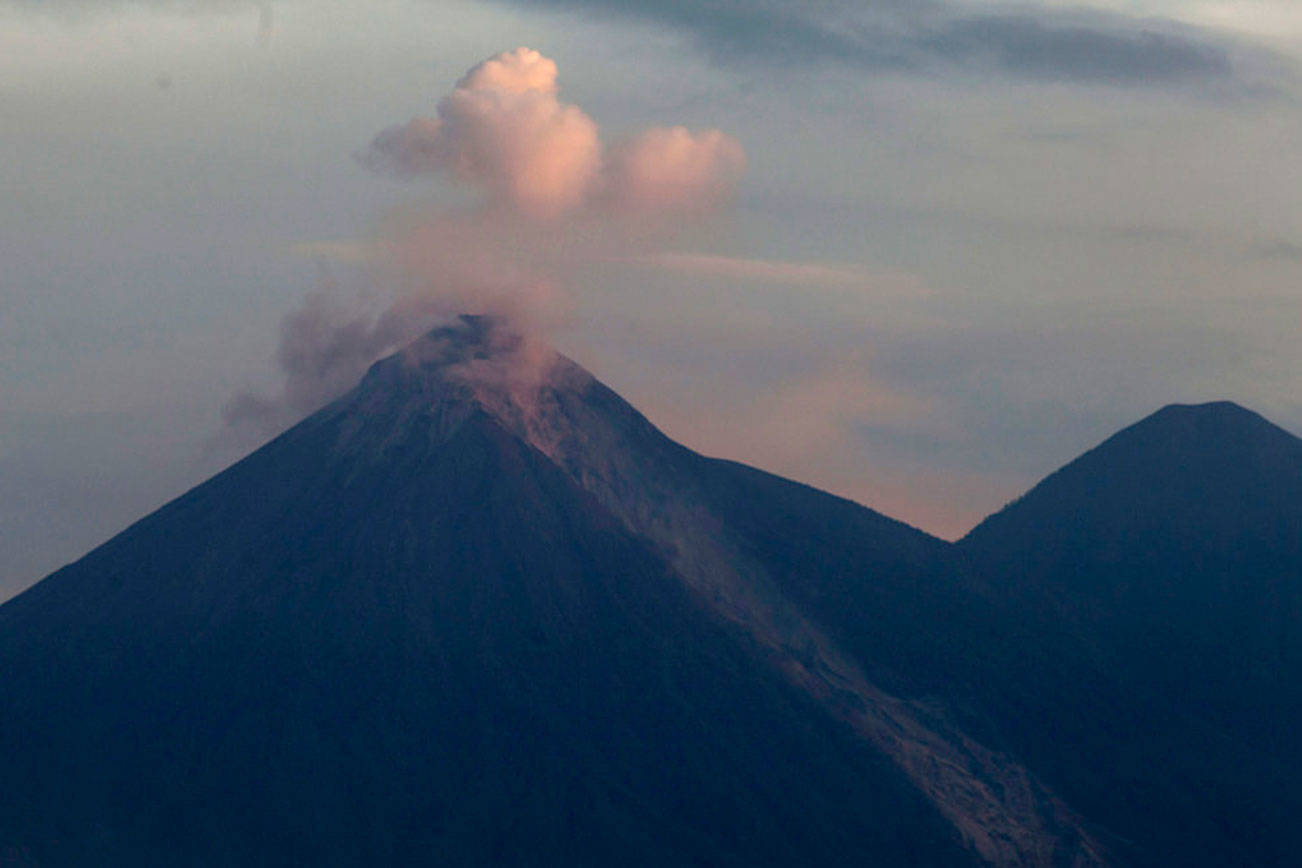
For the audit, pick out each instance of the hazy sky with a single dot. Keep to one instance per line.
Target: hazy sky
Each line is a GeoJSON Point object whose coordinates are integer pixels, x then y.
{"type": "Point", "coordinates": [971, 239]}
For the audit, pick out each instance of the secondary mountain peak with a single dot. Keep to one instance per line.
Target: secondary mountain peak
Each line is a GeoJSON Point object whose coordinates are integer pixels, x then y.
{"type": "Point", "coordinates": [1200, 468]}
{"type": "Point", "coordinates": [1218, 423]}
{"type": "Point", "coordinates": [1169, 554]}
{"type": "Point", "coordinates": [1207, 408]}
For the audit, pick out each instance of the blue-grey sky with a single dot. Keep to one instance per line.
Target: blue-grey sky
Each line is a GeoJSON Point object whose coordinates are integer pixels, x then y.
{"type": "Point", "coordinates": [971, 240]}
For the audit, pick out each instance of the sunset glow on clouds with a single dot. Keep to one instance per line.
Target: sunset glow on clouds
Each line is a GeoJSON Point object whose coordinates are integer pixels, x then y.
{"type": "Point", "coordinates": [505, 129]}
{"type": "Point", "coordinates": [554, 202]}
{"type": "Point", "coordinates": [674, 169]}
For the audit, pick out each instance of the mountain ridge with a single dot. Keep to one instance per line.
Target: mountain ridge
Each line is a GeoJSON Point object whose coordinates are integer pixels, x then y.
{"type": "Point", "coordinates": [482, 544]}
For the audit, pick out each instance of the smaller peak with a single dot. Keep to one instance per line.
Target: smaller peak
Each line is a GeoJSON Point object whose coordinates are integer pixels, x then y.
{"type": "Point", "coordinates": [1225, 417]}
{"type": "Point", "coordinates": [1208, 408]}
{"type": "Point", "coordinates": [1181, 436]}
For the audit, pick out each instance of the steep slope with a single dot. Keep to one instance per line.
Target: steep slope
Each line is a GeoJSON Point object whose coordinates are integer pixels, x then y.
{"type": "Point", "coordinates": [397, 639]}
{"type": "Point", "coordinates": [478, 611]}
{"type": "Point", "coordinates": [1159, 580]}
{"type": "Point", "coordinates": [828, 590]}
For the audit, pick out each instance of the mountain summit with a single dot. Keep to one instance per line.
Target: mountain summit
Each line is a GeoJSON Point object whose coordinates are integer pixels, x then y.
{"type": "Point", "coordinates": [480, 611]}
{"type": "Point", "coordinates": [1188, 521]}
{"type": "Point", "coordinates": [1160, 574]}
{"type": "Point", "coordinates": [1200, 476]}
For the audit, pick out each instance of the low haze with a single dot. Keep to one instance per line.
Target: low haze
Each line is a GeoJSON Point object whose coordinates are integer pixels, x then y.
{"type": "Point", "coordinates": [917, 254]}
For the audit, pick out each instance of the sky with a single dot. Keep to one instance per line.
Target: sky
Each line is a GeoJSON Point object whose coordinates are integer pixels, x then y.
{"type": "Point", "coordinates": [919, 254]}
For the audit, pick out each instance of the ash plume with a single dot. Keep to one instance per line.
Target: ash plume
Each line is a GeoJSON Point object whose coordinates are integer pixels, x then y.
{"type": "Point", "coordinates": [553, 199]}
{"type": "Point", "coordinates": [505, 130]}
{"type": "Point", "coordinates": [674, 169]}
{"type": "Point", "coordinates": [324, 349]}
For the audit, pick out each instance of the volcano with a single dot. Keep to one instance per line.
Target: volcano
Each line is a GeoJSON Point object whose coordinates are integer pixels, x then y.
{"type": "Point", "coordinates": [480, 611]}
{"type": "Point", "coordinates": [1151, 597]}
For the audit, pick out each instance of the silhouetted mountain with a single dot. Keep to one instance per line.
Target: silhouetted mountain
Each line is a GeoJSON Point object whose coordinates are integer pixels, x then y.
{"type": "Point", "coordinates": [1156, 583]}
{"type": "Point", "coordinates": [480, 611]}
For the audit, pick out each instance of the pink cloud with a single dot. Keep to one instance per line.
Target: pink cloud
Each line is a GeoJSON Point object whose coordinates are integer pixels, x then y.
{"type": "Point", "coordinates": [555, 202]}
{"type": "Point", "coordinates": [674, 169]}
{"type": "Point", "coordinates": [504, 129]}
{"type": "Point", "coordinates": [520, 71]}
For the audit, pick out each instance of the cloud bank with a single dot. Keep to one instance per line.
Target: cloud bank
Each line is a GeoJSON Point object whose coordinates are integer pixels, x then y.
{"type": "Point", "coordinates": [263, 8]}
{"type": "Point", "coordinates": [1052, 43]}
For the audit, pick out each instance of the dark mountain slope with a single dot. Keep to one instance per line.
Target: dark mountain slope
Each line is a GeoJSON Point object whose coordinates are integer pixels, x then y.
{"type": "Point", "coordinates": [401, 634]}
{"type": "Point", "coordinates": [841, 600]}
{"type": "Point", "coordinates": [1185, 528]}
{"type": "Point", "coordinates": [1157, 583]}
{"type": "Point", "coordinates": [1207, 484]}
{"type": "Point", "coordinates": [886, 590]}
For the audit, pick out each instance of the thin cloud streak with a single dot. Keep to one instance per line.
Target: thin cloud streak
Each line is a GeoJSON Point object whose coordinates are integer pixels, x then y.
{"type": "Point", "coordinates": [783, 272]}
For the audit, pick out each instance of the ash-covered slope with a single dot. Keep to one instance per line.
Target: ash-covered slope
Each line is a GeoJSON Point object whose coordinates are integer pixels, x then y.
{"type": "Point", "coordinates": [1158, 580]}
{"type": "Point", "coordinates": [479, 611]}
